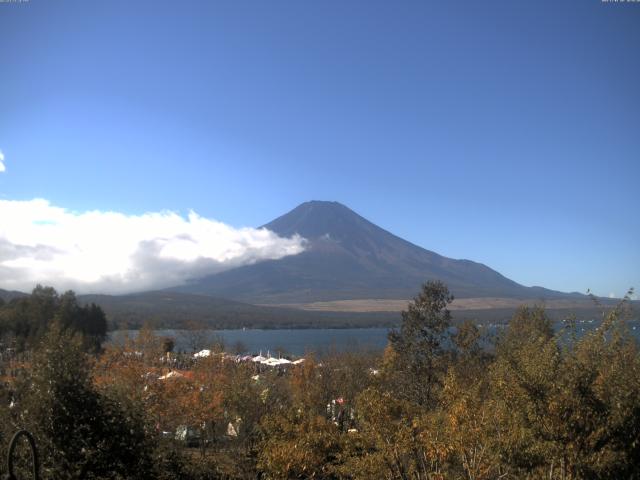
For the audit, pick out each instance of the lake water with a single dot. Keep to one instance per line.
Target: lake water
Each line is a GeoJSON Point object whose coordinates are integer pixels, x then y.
{"type": "Point", "coordinates": [293, 341]}
{"type": "Point", "coordinates": [300, 341]}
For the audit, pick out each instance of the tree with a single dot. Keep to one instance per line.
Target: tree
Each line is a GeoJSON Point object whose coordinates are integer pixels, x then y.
{"type": "Point", "coordinates": [88, 320]}
{"type": "Point", "coordinates": [29, 318]}
{"type": "Point", "coordinates": [299, 444]}
{"type": "Point", "coordinates": [563, 410]}
{"type": "Point", "coordinates": [468, 426]}
{"type": "Point", "coordinates": [418, 343]}
{"type": "Point", "coordinates": [82, 434]}
{"type": "Point", "coordinates": [168, 344]}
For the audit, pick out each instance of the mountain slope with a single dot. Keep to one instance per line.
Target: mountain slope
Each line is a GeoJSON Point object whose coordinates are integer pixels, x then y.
{"type": "Point", "coordinates": [348, 257]}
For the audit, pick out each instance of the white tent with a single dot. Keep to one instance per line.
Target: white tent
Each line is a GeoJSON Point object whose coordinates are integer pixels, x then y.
{"type": "Point", "coordinates": [270, 361]}
{"type": "Point", "coordinates": [202, 354]}
{"type": "Point", "coordinates": [273, 362]}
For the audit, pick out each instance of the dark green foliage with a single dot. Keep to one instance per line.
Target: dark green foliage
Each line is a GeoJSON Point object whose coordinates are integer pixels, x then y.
{"type": "Point", "coordinates": [81, 433]}
{"type": "Point", "coordinates": [27, 319]}
{"type": "Point", "coordinates": [168, 344]}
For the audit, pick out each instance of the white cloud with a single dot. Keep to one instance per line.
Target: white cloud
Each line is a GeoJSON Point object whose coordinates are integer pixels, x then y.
{"type": "Point", "coordinates": [612, 295]}
{"type": "Point", "coordinates": [2, 167]}
{"type": "Point", "coordinates": [111, 252]}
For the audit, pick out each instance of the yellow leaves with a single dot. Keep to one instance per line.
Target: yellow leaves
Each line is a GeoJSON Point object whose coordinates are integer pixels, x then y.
{"type": "Point", "coordinates": [297, 445]}
{"type": "Point", "coordinates": [429, 429]}
{"type": "Point", "coordinates": [453, 421]}
{"type": "Point", "coordinates": [389, 357]}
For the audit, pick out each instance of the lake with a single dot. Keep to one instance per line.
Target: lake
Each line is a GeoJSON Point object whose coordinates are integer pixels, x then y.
{"type": "Point", "coordinates": [300, 341]}
{"type": "Point", "coordinates": [292, 341]}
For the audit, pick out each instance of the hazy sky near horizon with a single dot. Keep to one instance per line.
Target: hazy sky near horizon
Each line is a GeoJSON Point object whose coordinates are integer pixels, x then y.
{"type": "Point", "coordinates": [503, 132]}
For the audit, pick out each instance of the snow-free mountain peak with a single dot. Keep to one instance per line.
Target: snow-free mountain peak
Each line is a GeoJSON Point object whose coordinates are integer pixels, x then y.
{"type": "Point", "coordinates": [349, 257]}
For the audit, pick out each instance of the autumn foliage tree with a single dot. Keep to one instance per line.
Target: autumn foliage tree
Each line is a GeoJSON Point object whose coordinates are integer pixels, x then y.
{"type": "Point", "coordinates": [567, 410]}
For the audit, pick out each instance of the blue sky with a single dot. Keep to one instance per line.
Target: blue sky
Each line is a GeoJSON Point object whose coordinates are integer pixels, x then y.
{"type": "Point", "coordinates": [503, 132]}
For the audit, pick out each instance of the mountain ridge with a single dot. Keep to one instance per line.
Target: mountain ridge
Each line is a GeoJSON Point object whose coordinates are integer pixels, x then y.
{"type": "Point", "coordinates": [8, 295]}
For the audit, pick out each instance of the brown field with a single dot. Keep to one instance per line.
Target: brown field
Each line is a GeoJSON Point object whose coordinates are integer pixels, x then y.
{"type": "Point", "coordinates": [390, 305]}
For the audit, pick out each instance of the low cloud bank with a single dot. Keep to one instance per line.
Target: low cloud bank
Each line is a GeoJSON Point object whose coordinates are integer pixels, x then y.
{"type": "Point", "coordinates": [110, 252]}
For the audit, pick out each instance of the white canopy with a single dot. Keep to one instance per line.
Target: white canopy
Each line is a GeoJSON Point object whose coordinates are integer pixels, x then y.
{"type": "Point", "coordinates": [272, 362]}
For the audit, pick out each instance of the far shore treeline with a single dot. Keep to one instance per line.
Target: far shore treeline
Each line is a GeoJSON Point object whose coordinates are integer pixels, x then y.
{"type": "Point", "coordinates": [26, 319]}
{"type": "Point", "coordinates": [174, 310]}
{"type": "Point", "coordinates": [540, 403]}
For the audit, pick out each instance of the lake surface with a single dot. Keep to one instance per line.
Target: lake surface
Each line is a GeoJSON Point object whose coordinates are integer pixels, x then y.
{"type": "Point", "coordinates": [300, 341]}
{"type": "Point", "coordinates": [292, 341]}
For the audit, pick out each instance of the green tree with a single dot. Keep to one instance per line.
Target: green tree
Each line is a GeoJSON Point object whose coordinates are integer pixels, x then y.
{"type": "Point", "coordinates": [29, 318]}
{"type": "Point", "coordinates": [418, 345]}
{"type": "Point", "coordinates": [90, 321]}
